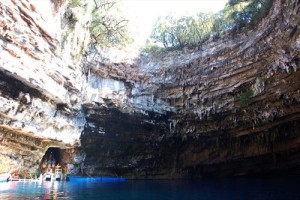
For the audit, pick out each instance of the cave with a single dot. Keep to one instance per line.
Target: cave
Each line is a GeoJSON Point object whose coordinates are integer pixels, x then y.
{"type": "Point", "coordinates": [227, 104]}
{"type": "Point", "coordinates": [51, 159]}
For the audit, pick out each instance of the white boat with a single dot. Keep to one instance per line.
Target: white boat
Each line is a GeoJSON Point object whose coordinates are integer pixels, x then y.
{"type": "Point", "coordinates": [4, 177]}
{"type": "Point", "coordinates": [48, 177]}
{"type": "Point", "coordinates": [58, 174]}
{"type": "Point", "coordinates": [58, 177]}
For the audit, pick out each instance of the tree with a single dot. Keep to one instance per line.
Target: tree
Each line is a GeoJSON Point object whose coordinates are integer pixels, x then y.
{"type": "Point", "coordinates": [107, 27]}
{"type": "Point", "coordinates": [184, 31]}
{"type": "Point", "coordinates": [173, 32]}
{"type": "Point", "coordinates": [241, 13]}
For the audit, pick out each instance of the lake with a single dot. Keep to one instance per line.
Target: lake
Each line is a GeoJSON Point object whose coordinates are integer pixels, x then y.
{"type": "Point", "coordinates": [121, 189]}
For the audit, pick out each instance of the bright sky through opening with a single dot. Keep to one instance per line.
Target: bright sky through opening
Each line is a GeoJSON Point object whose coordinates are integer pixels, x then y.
{"type": "Point", "coordinates": [144, 13]}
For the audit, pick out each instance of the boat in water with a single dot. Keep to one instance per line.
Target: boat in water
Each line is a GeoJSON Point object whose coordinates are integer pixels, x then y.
{"type": "Point", "coordinates": [56, 176]}
{"type": "Point", "coordinates": [4, 177]}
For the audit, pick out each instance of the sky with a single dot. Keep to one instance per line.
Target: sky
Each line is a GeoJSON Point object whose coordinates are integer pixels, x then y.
{"type": "Point", "coordinates": [144, 13]}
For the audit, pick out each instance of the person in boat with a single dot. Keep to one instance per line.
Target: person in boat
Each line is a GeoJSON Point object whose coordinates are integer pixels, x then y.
{"type": "Point", "coordinates": [48, 174]}
{"type": "Point", "coordinates": [25, 174]}
{"type": "Point", "coordinates": [49, 163]}
{"type": "Point", "coordinates": [49, 170]}
{"type": "Point", "coordinates": [14, 175]}
{"type": "Point", "coordinates": [53, 162]}
{"type": "Point", "coordinates": [66, 169]}
{"type": "Point", "coordinates": [66, 172]}
{"type": "Point", "coordinates": [58, 166]}
{"type": "Point", "coordinates": [44, 163]}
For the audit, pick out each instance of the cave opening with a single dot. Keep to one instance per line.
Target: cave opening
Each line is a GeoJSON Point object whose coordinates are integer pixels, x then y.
{"type": "Point", "coordinates": [51, 159]}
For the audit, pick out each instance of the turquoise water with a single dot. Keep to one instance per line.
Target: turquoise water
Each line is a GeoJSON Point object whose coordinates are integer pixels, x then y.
{"type": "Point", "coordinates": [120, 189]}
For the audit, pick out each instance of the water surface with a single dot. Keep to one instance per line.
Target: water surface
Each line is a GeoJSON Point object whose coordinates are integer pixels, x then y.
{"type": "Point", "coordinates": [108, 189]}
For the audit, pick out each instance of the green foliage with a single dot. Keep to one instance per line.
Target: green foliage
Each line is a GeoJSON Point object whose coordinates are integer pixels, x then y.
{"type": "Point", "coordinates": [245, 98]}
{"type": "Point", "coordinates": [152, 49]}
{"type": "Point", "coordinates": [108, 27]}
{"type": "Point", "coordinates": [109, 30]}
{"type": "Point", "coordinates": [74, 3]}
{"type": "Point", "coordinates": [241, 13]}
{"type": "Point", "coordinates": [184, 31]}
{"type": "Point", "coordinates": [170, 32]}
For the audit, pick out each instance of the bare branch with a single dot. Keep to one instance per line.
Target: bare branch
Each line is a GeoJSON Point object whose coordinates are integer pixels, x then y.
{"type": "Point", "coordinates": [106, 5]}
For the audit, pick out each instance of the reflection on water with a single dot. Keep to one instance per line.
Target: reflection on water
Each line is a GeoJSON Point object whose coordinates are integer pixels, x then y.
{"type": "Point", "coordinates": [33, 190]}
{"type": "Point", "coordinates": [153, 189]}
{"type": "Point", "coordinates": [75, 189]}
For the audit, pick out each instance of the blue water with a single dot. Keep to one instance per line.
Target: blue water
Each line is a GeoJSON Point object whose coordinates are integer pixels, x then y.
{"type": "Point", "coordinates": [121, 189]}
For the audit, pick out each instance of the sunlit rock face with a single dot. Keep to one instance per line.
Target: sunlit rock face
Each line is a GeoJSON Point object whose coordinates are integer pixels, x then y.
{"type": "Point", "coordinates": [40, 91]}
{"type": "Point", "coordinates": [227, 108]}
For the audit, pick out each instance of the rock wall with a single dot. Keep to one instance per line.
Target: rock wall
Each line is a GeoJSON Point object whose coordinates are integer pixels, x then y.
{"type": "Point", "coordinates": [227, 108]}
{"type": "Point", "coordinates": [40, 91]}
